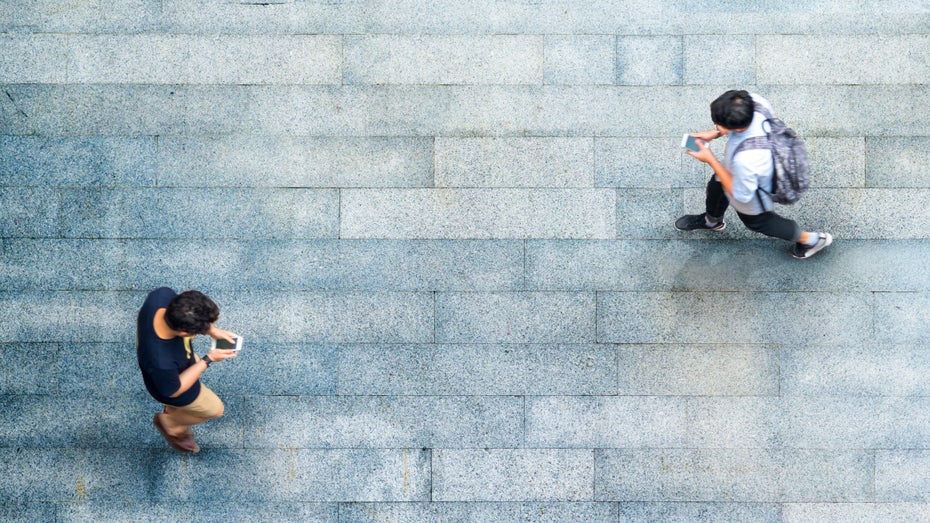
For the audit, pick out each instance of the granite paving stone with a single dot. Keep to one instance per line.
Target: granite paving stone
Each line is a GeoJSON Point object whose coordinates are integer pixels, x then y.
{"type": "Point", "coordinates": [901, 475]}
{"type": "Point", "coordinates": [854, 512]}
{"type": "Point", "coordinates": [644, 163]}
{"type": "Point", "coordinates": [68, 316]}
{"type": "Point", "coordinates": [649, 60]}
{"type": "Point", "coordinates": [704, 63]}
{"type": "Point", "coordinates": [484, 512]}
{"type": "Point", "coordinates": [897, 162]}
{"type": "Point", "coordinates": [662, 512]}
{"type": "Point", "coordinates": [29, 213]}
{"type": "Point", "coordinates": [880, 369]}
{"type": "Point", "coordinates": [275, 369]}
{"type": "Point", "coordinates": [900, 317]}
{"type": "Point", "coordinates": [29, 368]}
{"type": "Point", "coordinates": [580, 59]}
{"type": "Point", "coordinates": [204, 511]}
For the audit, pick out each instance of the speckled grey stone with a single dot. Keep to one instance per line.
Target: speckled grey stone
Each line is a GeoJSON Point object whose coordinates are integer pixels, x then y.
{"type": "Point", "coordinates": [28, 512]}
{"type": "Point", "coordinates": [77, 16]}
{"type": "Point", "coordinates": [901, 475]}
{"type": "Point", "coordinates": [649, 60]}
{"type": "Point", "coordinates": [646, 163]}
{"type": "Point", "coordinates": [263, 368]}
{"type": "Point", "coordinates": [34, 58]}
{"type": "Point", "coordinates": [648, 213]}
{"type": "Point", "coordinates": [477, 369]}
{"type": "Point", "coordinates": [902, 317]}
{"type": "Point", "coordinates": [532, 317]}
{"type": "Point", "coordinates": [69, 316]}
{"type": "Point", "coordinates": [485, 512]}
{"type": "Point", "coordinates": [31, 213]}
{"type": "Point", "coordinates": [98, 369]}
{"type": "Point", "coordinates": [719, 59]}
{"type": "Point", "coordinates": [897, 162]}
{"type": "Point", "coordinates": [444, 59]}
{"type": "Point", "coordinates": [838, 162]}
{"type": "Point", "coordinates": [854, 512]}
{"type": "Point", "coordinates": [211, 511]}
{"type": "Point", "coordinates": [512, 475]}
{"type": "Point", "coordinates": [856, 422]}
{"type": "Point", "coordinates": [741, 423]}
{"type": "Point", "coordinates": [514, 162]}
{"type": "Point", "coordinates": [385, 422]}
{"type": "Point", "coordinates": [580, 59]}
{"type": "Point", "coordinates": [29, 368]}
{"type": "Point", "coordinates": [476, 213]}
{"type": "Point", "coordinates": [294, 162]}
{"type": "Point", "coordinates": [742, 317]}
{"type": "Point", "coordinates": [605, 422]}
{"type": "Point", "coordinates": [699, 512]}
{"type": "Point", "coordinates": [698, 370]}
{"type": "Point", "coordinates": [203, 213]}
{"type": "Point", "coordinates": [859, 370]}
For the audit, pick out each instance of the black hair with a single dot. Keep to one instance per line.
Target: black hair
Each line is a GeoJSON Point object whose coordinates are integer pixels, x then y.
{"type": "Point", "coordinates": [191, 312]}
{"type": "Point", "coordinates": [732, 110]}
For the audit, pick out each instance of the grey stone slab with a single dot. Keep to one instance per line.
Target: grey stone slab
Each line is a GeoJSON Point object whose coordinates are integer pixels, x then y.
{"type": "Point", "coordinates": [74, 475]}
{"type": "Point", "coordinates": [838, 162]}
{"type": "Point", "coordinates": [477, 213]}
{"type": "Point", "coordinates": [605, 422]}
{"type": "Point", "coordinates": [867, 370]}
{"type": "Point", "coordinates": [98, 369]}
{"type": "Point", "coordinates": [31, 213]}
{"type": "Point", "coordinates": [485, 512]}
{"type": "Point", "coordinates": [514, 162]}
{"type": "Point", "coordinates": [748, 475]}
{"type": "Point", "coordinates": [897, 162]}
{"type": "Point", "coordinates": [204, 511]}
{"type": "Point", "coordinates": [205, 59]}
{"type": "Point", "coordinates": [649, 60]}
{"type": "Point", "coordinates": [513, 475]}
{"type": "Point", "coordinates": [328, 317]}
{"type": "Point", "coordinates": [901, 476]}
{"type": "Point", "coordinates": [275, 369]}
{"type": "Point", "coordinates": [735, 423]}
{"type": "Point", "coordinates": [901, 317]}
{"type": "Point", "coordinates": [739, 317]}
{"type": "Point", "coordinates": [284, 161]}
{"type": "Point", "coordinates": [644, 163]}
{"type": "Point", "coordinates": [698, 370]}
{"type": "Point", "coordinates": [77, 16]}
{"type": "Point", "coordinates": [527, 317]}
{"type": "Point", "coordinates": [34, 58]}
{"type": "Point", "coordinates": [444, 59]}
{"type": "Point", "coordinates": [839, 59]}
{"type": "Point", "coordinates": [719, 60]}
{"type": "Point", "coordinates": [29, 368]}
{"type": "Point", "coordinates": [648, 213]}
{"type": "Point", "coordinates": [385, 422]}
{"type": "Point", "coordinates": [580, 59]}
{"type": "Point", "coordinates": [68, 316]}
{"type": "Point", "coordinates": [856, 422]}
{"type": "Point", "coordinates": [294, 475]}
{"type": "Point", "coordinates": [855, 512]}
{"type": "Point", "coordinates": [27, 512]}
{"type": "Point", "coordinates": [477, 369]}
{"type": "Point", "coordinates": [658, 512]}
{"type": "Point", "coordinates": [202, 213]}
{"type": "Point", "coordinates": [27, 161]}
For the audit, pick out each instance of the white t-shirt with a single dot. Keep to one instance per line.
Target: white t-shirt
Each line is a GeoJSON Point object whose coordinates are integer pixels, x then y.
{"type": "Point", "coordinates": [751, 168]}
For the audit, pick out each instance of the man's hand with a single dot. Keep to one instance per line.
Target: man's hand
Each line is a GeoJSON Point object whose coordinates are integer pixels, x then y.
{"type": "Point", "coordinates": [220, 334]}
{"type": "Point", "coordinates": [707, 136]}
{"type": "Point", "coordinates": [703, 154]}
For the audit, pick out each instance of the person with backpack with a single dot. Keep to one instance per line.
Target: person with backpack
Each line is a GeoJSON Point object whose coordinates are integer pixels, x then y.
{"type": "Point", "coordinates": [764, 163]}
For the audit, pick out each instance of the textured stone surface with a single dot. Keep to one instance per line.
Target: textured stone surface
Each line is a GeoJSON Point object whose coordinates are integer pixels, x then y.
{"type": "Point", "coordinates": [577, 59]}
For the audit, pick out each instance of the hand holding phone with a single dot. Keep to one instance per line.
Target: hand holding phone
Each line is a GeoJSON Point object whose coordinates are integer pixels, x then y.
{"type": "Point", "coordinates": [224, 344]}
{"type": "Point", "coordinates": [689, 142]}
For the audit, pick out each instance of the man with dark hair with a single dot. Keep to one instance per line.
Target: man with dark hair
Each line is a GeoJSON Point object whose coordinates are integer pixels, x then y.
{"type": "Point", "coordinates": [171, 371]}
{"type": "Point", "coordinates": [744, 178]}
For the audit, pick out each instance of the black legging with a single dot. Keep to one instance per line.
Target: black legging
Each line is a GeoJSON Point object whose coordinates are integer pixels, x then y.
{"type": "Point", "coordinates": [767, 223]}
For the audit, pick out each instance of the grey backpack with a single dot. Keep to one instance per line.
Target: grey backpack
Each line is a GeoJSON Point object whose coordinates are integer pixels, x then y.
{"type": "Point", "coordinates": [789, 158]}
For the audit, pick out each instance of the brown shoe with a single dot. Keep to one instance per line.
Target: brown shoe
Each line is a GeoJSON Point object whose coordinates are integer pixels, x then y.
{"type": "Point", "coordinates": [184, 443]}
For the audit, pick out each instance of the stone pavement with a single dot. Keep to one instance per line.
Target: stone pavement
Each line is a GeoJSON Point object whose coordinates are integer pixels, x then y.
{"type": "Point", "coordinates": [445, 230]}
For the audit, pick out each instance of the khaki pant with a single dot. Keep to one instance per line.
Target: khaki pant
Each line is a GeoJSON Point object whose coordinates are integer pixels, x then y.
{"type": "Point", "coordinates": [207, 405]}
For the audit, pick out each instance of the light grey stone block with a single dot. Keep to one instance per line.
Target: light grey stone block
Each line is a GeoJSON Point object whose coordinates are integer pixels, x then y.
{"type": "Point", "coordinates": [901, 476]}
{"type": "Point", "coordinates": [897, 162]}
{"type": "Point", "coordinates": [444, 59]}
{"type": "Point", "coordinates": [477, 213]}
{"type": "Point", "coordinates": [202, 511]}
{"type": "Point", "coordinates": [77, 16]}
{"type": "Point", "coordinates": [719, 60]}
{"type": "Point", "coordinates": [658, 512]}
{"type": "Point", "coordinates": [477, 369]}
{"type": "Point", "coordinates": [854, 512]}
{"type": "Point", "coordinates": [485, 512]}
{"type": "Point", "coordinates": [514, 162]}
{"type": "Point", "coordinates": [33, 58]}
{"type": "Point", "coordinates": [868, 214]}
{"type": "Point", "coordinates": [282, 161]}
{"type": "Point", "coordinates": [32, 161]}
{"type": "Point", "coordinates": [856, 422]}
{"type": "Point", "coordinates": [648, 213]}
{"type": "Point", "coordinates": [901, 317]}
{"type": "Point", "coordinates": [385, 422]}
{"type": "Point", "coordinates": [649, 60]}
{"type": "Point", "coordinates": [839, 59]}
{"type": "Point", "coordinates": [74, 475]}
{"type": "Point", "coordinates": [529, 317]}
{"type": "Point", "coordinates": [293, 475]}
{"type": "Point", "coordinates": [742, 317]}
{"type": "Point", "coordinates": [748, 475]}
{"type": "Point", "coordinates": [326, 317]}
{"type": "Point", "coordinates": [202, 213]}
{"type": "Point", "coordinates": [722, 423]}
{"type": "Point", "coordinates": [512, 475]}
{"type": "Point", "coordinates": [580, 59]}
{"type": "Point", "coordinates": [275, 369]}
{"type": "Point", "coordinates": [32, 213]}
{"type": "Point", "coordinates": [68, 316]}
{"type": "Point", "coordinates": [203, 59]}
{"type": "Point", "coordinates": [98, 369]}
{"type": "Point", "coordinates": [698, 370]}
{"type": "Point", "coordinates": [29, 368]}
{"type": "Point", "coordinates": [838, 162]}
{"type": "Point", "coordinates": [865, 370]}
{"type": "Point", "coordinates": [644, 163]}
{"type": "Point", "coordinates": [605, 422]}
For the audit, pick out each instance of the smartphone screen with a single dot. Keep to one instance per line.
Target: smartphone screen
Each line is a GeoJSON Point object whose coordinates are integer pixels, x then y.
{"type": "Point", "coordinates": [689, 142]}
{"type": "Point", "coordinates": [223, 344]}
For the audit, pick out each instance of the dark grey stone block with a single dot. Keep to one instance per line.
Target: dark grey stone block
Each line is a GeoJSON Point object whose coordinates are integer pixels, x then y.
{"type": "Point", "coordinates": [29, 368]}
{"type": "Point", "coordinates": [28, 161]}
{"type": "Point", "coordinates": [32, 213]}
{"type": "Point", "coordinates": [28, 512]}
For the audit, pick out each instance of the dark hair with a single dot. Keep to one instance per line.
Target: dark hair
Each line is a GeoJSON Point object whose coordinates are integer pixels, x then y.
{"type": "Point", "coordinates": [732, 110]}
{"type": "Point", "coordinates": [191, 312]}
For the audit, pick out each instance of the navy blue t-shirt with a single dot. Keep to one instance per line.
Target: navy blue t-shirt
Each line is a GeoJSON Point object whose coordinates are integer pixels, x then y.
{"type": "Point", "coordinates": [162, 361]}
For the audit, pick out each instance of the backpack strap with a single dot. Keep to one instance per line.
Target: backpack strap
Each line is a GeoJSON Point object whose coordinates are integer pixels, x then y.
{"type": "Point", "coordinates": [757, 142]}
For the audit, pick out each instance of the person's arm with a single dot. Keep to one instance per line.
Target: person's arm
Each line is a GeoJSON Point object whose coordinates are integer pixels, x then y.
{"type": "Point", "coordinates": [707, 136]}
{"type": "Point", "coordinates": [190, 375]}
{"type": "Point", "coordinates": [707, 156]}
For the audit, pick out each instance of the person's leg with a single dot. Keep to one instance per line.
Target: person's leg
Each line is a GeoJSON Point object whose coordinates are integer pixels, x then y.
{"type": "Point", "coordinates": [179, 420]}
{"type": "Point", "coordinates": [716, 204]}
{"type": "Point", "coordinates": [806, 244]}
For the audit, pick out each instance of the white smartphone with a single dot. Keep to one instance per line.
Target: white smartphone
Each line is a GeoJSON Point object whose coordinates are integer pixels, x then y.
{"type": "Point", "coordinates": [689, 142]}
{"type": "Point", "coordinates": [223, 344]}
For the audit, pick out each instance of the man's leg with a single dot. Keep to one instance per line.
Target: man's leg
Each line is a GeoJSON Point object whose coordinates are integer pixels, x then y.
{"type": "Point", "coordinates": [716, 204]}
{"type": "Point", "coordinates": [177, 421]}
{"type": "Point", "coordinates": [806, 244]}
